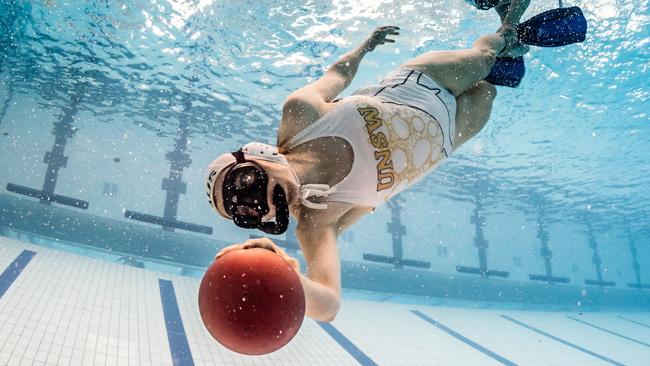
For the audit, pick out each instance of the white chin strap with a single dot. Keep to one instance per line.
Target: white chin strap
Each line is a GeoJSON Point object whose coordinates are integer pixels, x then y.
{"type": "Point", "coordinates": [315, 190]}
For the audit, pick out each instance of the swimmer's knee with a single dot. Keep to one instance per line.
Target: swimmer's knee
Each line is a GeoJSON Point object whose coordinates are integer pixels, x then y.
{"type": "Point", "coordinates": [487, 90]}
{"type": "Point", "coordinates": [487, 59]}
{"type": "Point", "coordinates": [483, 91]}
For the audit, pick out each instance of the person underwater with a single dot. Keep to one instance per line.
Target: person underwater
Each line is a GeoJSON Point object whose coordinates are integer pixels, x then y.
{"type": "Point", "coordinates": [336, 160]}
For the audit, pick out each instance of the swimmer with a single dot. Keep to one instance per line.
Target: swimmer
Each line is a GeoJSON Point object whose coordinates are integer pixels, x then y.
{"type": "Point", "coordinates": [336, 160]}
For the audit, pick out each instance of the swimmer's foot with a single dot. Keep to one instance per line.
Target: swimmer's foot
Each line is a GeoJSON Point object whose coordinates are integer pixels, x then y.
{"type": "Point", "coordinates": [512, 48]}
{"type": "Point", "coordinates": [516, 50]}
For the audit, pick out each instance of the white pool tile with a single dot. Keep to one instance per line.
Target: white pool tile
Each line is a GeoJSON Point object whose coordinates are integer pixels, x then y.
{"type": "Point", "coordinates": [594, 340]}
{"type": "Point", "coordinates": [65, 309]}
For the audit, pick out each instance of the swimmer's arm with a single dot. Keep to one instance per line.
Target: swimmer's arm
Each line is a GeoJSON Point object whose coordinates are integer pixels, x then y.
{"type": "Point", "coordinates": [341, 73]}
{"type": "Point", "coordinates": [511, 12]}
{"type": "Point", "coordinates": [317, 232]}
{"type": "Point", "coordinates": [307, 104]}
{"type": "Point", "coordinates": [322, 284]}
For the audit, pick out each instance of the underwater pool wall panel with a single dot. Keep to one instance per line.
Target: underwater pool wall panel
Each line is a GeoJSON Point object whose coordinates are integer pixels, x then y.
{"type": "Point", "coordinates": [425, 283]}
{"type": "Point", "coordinates": [169, 223]}
{"type": "Point", "coordinates": [395, 261]}
{"type": "Point", "coordinates": [60, 223]}
{"type": "Point", "coordinates": [397, 231]}
{"type": "Point", "coordinates": [106, 233]}
{"type": "Point", "coordinates": [481, 244]}
{"type": "Point", "coordinates": [596, 260]}
{"type": "Point", "coordinates": [48, 197]}
{"type": "Point", "coordinates": [174, 186]}
{"type": "Point", "coordinates": [546, 255]}
{"type": "Point", "coordinates": [56, 159]}
{"type": "Point", "coordinates": [636, 266]}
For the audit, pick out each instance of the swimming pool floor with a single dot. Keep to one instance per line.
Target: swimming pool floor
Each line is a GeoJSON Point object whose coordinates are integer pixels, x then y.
{"type": "Point", "coordinates": [58, 308]}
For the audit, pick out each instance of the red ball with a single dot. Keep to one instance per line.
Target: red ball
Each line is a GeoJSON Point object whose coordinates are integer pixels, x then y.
{"type": "Point", "coordinates": [252, 301]}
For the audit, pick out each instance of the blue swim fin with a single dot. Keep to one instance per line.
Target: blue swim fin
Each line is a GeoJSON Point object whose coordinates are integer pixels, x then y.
{"type": "Point", "coordinates": [554, 28]}
{"type": "Point", "coordinates": [507, 71]}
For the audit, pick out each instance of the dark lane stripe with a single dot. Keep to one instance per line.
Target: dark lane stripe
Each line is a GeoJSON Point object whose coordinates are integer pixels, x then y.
{"type": "Point", "coordinates": [609, 331]}
{"type": "Point", "coordinates": [353, 350]}
{"type": "Point", "coordinates": [180, 348]}
{"type": "Point", "coordinates": [464, 339]}
{"type": "Point", "coordinates": [566, 343]}
{"type": "Point", "coordinates": [634, 321]}
{"type": "Point", "coordinates": [12, 272]}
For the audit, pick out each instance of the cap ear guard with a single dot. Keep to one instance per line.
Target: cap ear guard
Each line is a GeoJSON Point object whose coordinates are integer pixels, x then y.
{"type": "Point", "coordinates": [216, 167]}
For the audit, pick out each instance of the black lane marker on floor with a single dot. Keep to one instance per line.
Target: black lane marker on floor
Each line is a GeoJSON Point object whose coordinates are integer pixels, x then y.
{"type": "Point", "coordinates": [12, 272]}
{"type": "Point", "coordinates": [609, 331]}
{"type": "Point", "coordinates": [464, 339]}
{"type": "Point", "coordinates": [178, 345]}
{"type": "Point", "coordinates": [344, 342]}
{"type": "Point", "coordinates": [566, 343]}
{"type": "Point", "coordinates": [634, 321]}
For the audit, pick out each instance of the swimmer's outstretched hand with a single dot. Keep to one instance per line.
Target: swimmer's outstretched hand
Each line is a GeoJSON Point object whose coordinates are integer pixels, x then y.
{"type": "Point", "coordinates": [265, 243]}
{"type": "Point", "coordinates": [379, 37]}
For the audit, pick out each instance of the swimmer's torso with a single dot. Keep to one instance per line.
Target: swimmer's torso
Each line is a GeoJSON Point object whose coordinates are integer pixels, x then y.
{"type": "Point", "coordinates": [390, 147]}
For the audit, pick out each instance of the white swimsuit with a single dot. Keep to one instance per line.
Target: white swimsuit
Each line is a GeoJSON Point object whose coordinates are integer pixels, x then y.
{"type": "Point", "coordinates": [399, 131]}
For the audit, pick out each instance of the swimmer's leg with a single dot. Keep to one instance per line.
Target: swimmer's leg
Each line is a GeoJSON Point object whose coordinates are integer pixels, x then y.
{"type": "Point", "coordinates": [460, 70]}
{"type": "Point", "coordinates": [473, 111]}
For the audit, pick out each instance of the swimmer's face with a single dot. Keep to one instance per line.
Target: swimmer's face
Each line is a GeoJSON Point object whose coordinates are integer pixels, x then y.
{"type": "Point", "coordinates": [278, 174]}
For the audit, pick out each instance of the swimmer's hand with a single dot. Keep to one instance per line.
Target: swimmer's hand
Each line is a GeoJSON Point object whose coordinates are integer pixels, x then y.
{"type": "Point", "coordinates": [379, 37]}
{"type": "Point", "coordinates": [265, 243]}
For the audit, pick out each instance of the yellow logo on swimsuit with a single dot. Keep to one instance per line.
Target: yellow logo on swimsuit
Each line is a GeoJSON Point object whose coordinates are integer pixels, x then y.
{"type": "Point", "coordinates": [385, 171]}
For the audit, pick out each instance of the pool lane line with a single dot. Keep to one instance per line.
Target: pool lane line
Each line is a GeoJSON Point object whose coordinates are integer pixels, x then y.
{"type": "Point", "coordinates": [609, 331]}
{"type": "Point", "coordinates": [564, 342]}
{"type": "Point", "coordinates": [178, 344]}
{"type": "Point", "coordinates": [12, 272]}
{"type": "Point", "coordinates": [634, 321]}
{"type": "Point", "coordinates": [464, 339]}
{"type": "Point", "coordinates": [347, 344]}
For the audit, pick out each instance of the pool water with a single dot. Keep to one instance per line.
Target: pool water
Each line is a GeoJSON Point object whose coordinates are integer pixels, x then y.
{"type": "Point", "coordinates": [110, 113]}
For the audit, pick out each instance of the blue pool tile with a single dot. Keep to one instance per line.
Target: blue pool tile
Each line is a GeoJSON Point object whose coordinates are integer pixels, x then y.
{"type": "Point", "coordinates": [564, 342]}
{"type": "Point", "coordinates": [464, 339]}
{"type": "Point", "coordinates": [178, 344]}
{"type": "Point", "coordinates": [344, 342]}
{"type": "Point", "coordinates": [609, 331]}
{"type": "Point", "coordinates": [634, 321]}
{"type": "Point", "coordinates": [12, 272]}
